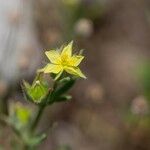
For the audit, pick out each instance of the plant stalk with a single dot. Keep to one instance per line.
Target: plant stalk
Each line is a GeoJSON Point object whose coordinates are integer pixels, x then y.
{"type": "Point", "coordinates": [40, 112]}
{"type": "Point", "coordinates": [37, 118]}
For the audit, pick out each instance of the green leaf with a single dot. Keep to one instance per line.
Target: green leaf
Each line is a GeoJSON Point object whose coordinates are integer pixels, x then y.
{"type": "Point", "coordinates": [35, 140]}
{"type": "Point", "coordinates": [144, 77]}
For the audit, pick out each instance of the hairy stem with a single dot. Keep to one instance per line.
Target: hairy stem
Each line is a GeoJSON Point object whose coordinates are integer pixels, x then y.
{"type": "Point", "coordinates": [40, 112]}
{"type": "Point", "coordinates": [37, 118]}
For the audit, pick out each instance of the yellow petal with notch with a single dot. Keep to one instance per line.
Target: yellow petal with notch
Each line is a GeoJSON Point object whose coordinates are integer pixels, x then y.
{"type": "Point", "coordinates": [75, 60]}
{"type": "Point", "coordinates": [52, 68]}
{"type": "Point", "coordinates": [53, 56]}
{"type": "Point", "coordinates": [67, 50]}
{"type": "Point", "coordinates": [75, 71]}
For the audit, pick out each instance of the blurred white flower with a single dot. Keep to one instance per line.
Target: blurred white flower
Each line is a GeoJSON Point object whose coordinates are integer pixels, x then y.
{"type": "Point", "coordinates": [139, 106]}
{"type": "Point", "coordinates": [94, 92]}
{"type": "Point", "coordinates": [84, 27]}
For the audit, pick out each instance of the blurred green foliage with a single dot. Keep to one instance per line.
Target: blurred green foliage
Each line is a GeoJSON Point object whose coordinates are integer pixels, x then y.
{"type": "Point", "coordinates": [74, 10]}
{"type": "Point", "coordinates": [144, 78]}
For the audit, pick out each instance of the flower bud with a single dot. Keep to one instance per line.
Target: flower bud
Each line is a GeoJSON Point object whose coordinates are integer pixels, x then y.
{"type": "Point", "coordinates": [37, 92]}
{"type": "Point", "coordinates": [20, 115]}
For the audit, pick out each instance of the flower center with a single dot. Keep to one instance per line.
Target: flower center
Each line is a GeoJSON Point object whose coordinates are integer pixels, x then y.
{"type": "Point", "coordinates": [65, 60]}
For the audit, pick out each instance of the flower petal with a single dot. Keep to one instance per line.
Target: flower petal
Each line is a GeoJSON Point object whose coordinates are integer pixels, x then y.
{"type": "Point", "coordinates": [75, 71]}
{"type": "Point", "coordinates": [76, 60]}
{"type": "Point", "coordinates": [51, 68]}
{"type": "Point", "coordinates": [53, 56]}
{"type": "Point", "coordinates": [67, 50]}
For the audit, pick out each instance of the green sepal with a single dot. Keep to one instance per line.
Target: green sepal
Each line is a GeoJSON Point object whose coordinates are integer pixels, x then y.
{"type": "Point", "coordinates": [64, 80]}
{"type": "Point", "coordinates": [64, 98]}
{"type": "Point", "coordinates": [63, 86]}
{"type": "Point", "coordinates": [25, 87]}
{"type": "Point", "coordinates": [37, 92]}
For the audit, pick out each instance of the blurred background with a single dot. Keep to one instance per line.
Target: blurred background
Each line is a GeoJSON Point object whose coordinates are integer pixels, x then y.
{"type": "Point", "coordinates": [110, 110]}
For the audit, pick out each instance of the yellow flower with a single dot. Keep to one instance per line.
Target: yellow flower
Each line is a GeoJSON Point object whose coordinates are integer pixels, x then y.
{"type": "Point", "coordinates": [63, 61]}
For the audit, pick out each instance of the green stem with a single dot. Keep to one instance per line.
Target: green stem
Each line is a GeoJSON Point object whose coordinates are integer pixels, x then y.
{"type": "Point", "coordinates": [37, 118]}
{"type": "Point", "coordinates": [40, 112]}
{"type": "Point", "coordinates": [4, 106]}
{"type": "Point", "coordinates": [26, 147]}
{"type": "Point", "coordinates": [4, 101]}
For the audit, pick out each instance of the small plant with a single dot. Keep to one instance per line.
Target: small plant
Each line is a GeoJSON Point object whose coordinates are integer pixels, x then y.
{"type": "Point", "coordinates": [63, 69]}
